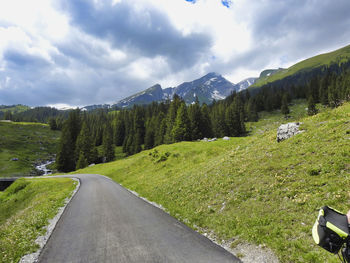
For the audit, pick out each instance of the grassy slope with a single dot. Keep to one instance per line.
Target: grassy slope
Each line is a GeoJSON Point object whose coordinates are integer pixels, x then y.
{"type": "Point", "coordinates": [25, 208]}
{"type": "Point", "coordinates": [29, 142]}
{"type": "Point", "coordinates": [337, 56]}
{"type": "Point", "coordinates": [16, 109]}
{"type": "Point", "coordinates": [253, 188]}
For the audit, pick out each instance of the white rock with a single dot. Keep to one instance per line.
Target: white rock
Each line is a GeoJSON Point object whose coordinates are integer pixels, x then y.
{"type": "Point", "coordinates": [226, 138]}
{"type": "Point", "coordinates": [288, 130]}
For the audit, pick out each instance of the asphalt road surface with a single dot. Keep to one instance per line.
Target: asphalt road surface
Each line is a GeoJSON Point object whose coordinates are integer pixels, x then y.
{"type": "Point", "coordinates": [106, 223]}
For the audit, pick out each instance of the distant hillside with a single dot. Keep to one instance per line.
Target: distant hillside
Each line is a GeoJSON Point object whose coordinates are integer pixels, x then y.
{"type": "Point", "coordinates": [268, 72]}
{"type": "Point", "coordinates": [210, 87]}
{"type": "Point", "coordinates": [336, 57]}
{"type": "Point", "coordinates": [14, 108]}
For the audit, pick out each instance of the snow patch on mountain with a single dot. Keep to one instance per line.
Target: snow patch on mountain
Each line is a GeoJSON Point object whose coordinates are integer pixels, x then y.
{"type": "Point", "coordinates": [216, 95]}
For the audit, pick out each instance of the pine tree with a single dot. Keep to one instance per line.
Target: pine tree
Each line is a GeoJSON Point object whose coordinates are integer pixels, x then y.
{"type": "Point", "coordinates": [127, 144]}
{"type": "Point", "coordinates": [129, 133]}
{"type": "Point", "coordinates": [284, 108]}
{"type": "Point", "coordinates": [218, 120]}
{"type": "Point", "coordinates": [206, 128]}
{"type": "Point", "coordinates": [119, 131]}
{"type": "Point", "coordinates": [252, 114]}
{"type": "Point", "coordinates": [94, 155]}
{"type": "Point", "coordinates": [82, 161]}
{"type": "Point", "coordinates": [314, 88]}
{"type": "Point", "coordinates": [150, 133]}
{"type": "Point", "coordinates": [195, 116]}
{"type": "Point", "coordinates": [323, 91]}
{"type": "Point", "coordinates": [74, 124]}
{"type": "Point", "coordinates": [182, 126]}
{"type": "Point", "coordinates": [241, 122]}
{"type": "Point", "coordinates": [59, 123]}
{"type": "Point", "coordinates": [333, 93]}
{"type": "Point", "coordinates": [53, 124]}
{"type": "Point", "coordinates": [170, 119]}
{"type": "Point", "coordinates": [65, 161]}
{"type": "Point", "coordinates": [232, 119]}
{"type": "Point", "coordinates": [139, 130]}
{"type": "Point", "coordinates": [136, 145]}
{"type": "Point", "coordinates": [84, 145]}
{"type": "Point", "coordinates": [98, 137]}
{"type": "Point", "coordinates": [311, 106]}
{"type": "Point", "coordinates": [268, 103]}
{"type": "Point", "coordinates": [160, 129]}
{"type": "Point", "coordinates": [107, 144]}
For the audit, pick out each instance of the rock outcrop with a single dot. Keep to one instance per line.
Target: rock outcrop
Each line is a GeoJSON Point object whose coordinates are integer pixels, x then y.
{"type": "Point", "coordinates": [288, 130]}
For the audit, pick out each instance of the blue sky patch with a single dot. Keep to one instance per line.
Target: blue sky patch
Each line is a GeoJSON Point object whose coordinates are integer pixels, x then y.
{"type": "Point", "coordinates": [191, 1]}
{"type": "Point", "coordinates": [226, 3]}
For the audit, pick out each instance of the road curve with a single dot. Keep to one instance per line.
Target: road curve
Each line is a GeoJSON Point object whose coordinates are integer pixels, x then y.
{"type": "Point", "coordinates": [106, 223]}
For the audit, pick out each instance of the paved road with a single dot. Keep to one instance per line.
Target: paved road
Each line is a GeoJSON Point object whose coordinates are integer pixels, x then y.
{"type": "Point", "coordinates": [106, 223]}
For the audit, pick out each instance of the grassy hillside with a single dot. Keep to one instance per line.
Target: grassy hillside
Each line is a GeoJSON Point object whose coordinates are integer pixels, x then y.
{"type": "Point", "coordinates": [14, 108]}
{"type": "Point", "coordinates": [25, 208]}
{"type": "Point", "coordinates": [251, 188]}
{"type": "Point", "coordinates": [338, 56]}
{"type": "Point", "coordinates": [29, 142]}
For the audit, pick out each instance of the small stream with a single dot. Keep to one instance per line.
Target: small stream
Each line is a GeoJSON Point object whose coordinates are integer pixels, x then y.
{"type": "Point", "coordinates": [43, 167]}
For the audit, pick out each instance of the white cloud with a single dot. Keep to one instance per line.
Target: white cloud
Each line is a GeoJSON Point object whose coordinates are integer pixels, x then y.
{"type": "Point", "coordinates": [54, 52]}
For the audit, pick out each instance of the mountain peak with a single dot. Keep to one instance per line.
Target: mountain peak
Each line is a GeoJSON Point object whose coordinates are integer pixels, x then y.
{"type": "Point", "coordinates": [212, 75]}
{"type": "Point", "coordinates": [155, 87]}
{"type": "Point", "coordinates": [206, 89]}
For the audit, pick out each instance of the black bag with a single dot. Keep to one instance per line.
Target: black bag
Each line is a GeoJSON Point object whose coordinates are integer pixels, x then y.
{"type": "Point", "coordinates": [331, 229]}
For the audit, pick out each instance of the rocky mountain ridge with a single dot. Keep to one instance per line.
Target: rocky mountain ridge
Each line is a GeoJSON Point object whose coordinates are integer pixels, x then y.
{"type": "Point", "coordinates": [206, 89]}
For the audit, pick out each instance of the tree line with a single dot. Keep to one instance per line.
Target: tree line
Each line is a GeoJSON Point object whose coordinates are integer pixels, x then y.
{"type": "Point", "coordinates": [91, 137]}
{"type": "Point", "coordinates": [37, 114]}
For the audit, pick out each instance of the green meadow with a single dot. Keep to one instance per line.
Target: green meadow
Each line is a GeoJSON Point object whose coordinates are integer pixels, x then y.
{"type": "Point", "coordinates": [29, 142]}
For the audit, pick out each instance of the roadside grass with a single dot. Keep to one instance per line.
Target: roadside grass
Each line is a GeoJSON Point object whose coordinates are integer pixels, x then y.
{"type": "Point", "coordinates": [251, 188]}
{"type": "Point", "coordinates": [29, 142]}
{"type": "Point", "coordinates": [25, 209]}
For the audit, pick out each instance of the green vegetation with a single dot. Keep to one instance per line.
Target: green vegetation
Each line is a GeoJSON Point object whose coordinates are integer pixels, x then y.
{"type": "Point", "coordinates": [251, 188]}
{"type": "Point", "coordinates": [14, 108]}
{"type": "Point", "coordinates": [271, 120]}
{"type": "Point", "coordinates": [25, 208]}
{"type": "Point", "coordinates": [336, 57]}
{"type": "Point", "coordinates": [29, 142]}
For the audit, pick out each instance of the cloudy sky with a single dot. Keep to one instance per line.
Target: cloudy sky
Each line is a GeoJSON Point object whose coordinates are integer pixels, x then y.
{"type": "Point", "coordinates": [83, 52]}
